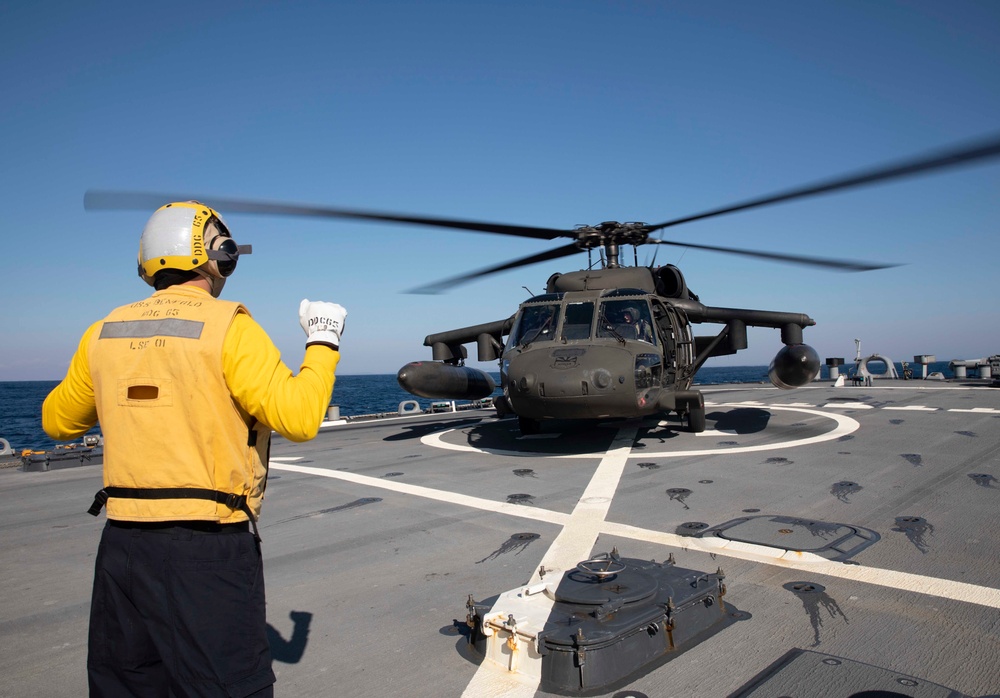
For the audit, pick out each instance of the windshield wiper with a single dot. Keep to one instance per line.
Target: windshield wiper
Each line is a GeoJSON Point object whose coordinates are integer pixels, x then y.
{"type": "Point", "coordinates": [525, 342]}
{"type": "Point", "coordinates": [610, 328]}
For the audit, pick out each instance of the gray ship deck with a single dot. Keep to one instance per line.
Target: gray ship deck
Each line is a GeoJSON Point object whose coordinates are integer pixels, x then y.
{"type": "Point", "coordinates": [374, 535]}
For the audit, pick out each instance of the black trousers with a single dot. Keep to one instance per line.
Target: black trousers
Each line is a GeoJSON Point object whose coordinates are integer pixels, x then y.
{"type": "Point", "coordinates": [178, 612]}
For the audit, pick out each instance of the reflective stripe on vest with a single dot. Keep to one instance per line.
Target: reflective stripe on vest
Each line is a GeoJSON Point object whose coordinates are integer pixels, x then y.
{"type": "Point", "coordinates": [141, 329]}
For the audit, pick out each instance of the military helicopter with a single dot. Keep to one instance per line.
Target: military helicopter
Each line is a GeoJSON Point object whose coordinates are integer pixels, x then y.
{"type": "Point", "coordinates": [608, 341]}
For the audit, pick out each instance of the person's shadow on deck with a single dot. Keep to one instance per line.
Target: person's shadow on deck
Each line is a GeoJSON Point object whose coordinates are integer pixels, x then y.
{"type": "Point", "coordinates": [290, 651]}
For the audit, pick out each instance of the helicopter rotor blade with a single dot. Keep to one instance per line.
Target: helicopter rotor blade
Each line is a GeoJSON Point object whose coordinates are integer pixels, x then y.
{"type": "Point", "coordinates": [941, 159]}
{"type": "Point", "coordinates": [439, 286]}
{"type": "Point", "coordinates": [122, 200]}
{"type": "Point", "coordinates": [937, 160]}
{"type": "Point", "coordinates": [826, 263]}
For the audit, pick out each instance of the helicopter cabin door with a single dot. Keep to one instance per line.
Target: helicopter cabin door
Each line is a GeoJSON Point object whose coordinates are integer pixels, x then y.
{"type": "Point", "coordinates": [674, 331]}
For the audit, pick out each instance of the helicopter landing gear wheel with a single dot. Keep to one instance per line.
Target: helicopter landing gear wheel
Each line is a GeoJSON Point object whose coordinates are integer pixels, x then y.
{"type": "Point", "coordinates": [696, 420]}
{"type": "Point", "coordinates": [528, 426]}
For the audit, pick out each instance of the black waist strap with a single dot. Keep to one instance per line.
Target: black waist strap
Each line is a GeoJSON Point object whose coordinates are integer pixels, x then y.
{"type": "Point", "coordinates": [233, 501]}
{"type": "Point", "coordinates": [193, 526]}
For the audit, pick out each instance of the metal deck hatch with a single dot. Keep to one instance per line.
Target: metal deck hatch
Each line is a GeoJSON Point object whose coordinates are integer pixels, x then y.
{"type": "Point", "coordinates": [833, 541]}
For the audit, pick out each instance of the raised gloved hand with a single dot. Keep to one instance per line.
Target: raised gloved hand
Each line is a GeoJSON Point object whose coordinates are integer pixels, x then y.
{"type": "Point", "coordinates": [323, 322]}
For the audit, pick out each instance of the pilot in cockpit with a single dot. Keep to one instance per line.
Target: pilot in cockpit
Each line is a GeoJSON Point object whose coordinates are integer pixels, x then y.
{"type": "Point", "coordinates": [636, 326]}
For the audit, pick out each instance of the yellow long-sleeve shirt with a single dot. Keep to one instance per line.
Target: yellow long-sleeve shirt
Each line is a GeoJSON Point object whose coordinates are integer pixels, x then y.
{"type": "Point", "coordinates": [260, 383]}
{"type": "Point", "coordinates": [187, 389]}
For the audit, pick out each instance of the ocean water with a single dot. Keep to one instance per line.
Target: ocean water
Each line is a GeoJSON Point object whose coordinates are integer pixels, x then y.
{"type": "Point", "coordinates": [21, 401]}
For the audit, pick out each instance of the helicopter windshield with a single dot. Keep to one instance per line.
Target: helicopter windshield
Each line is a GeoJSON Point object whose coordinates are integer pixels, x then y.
{"type": "Point", "coordinates": [536, 323]}
{"type": "Point", "coordinates": [579, 318]}
{"type": "Point", "coordinates": [626, 319]}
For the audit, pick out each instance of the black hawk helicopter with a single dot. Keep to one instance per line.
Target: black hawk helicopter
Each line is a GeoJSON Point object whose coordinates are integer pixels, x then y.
{"type": "Point", "coordinates": [609, 341]}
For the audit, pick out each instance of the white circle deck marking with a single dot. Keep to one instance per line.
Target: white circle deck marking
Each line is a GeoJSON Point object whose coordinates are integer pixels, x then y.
{"type": "Point", "coordinates": [844, 425]}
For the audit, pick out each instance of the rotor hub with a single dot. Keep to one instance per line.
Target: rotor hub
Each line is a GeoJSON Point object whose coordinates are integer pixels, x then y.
{"type": "Point", "coordinates": [611, 233]}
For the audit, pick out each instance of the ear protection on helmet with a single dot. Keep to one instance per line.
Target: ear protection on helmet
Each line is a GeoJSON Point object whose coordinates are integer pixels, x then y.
{"type": "Point", "coordinates": [188, 235]}
{"type": "Point", "coordinates": [223, 250]}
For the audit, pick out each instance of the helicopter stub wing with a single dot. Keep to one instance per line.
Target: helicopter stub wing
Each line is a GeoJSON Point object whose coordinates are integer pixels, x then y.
{"type": "Point", "coordinates": [447, 346]}
{"type": "Point", "coordinates": [795, 364]}
{"type": "Point", "coordinates": [698, 313]}
{"type": "Point", "coordinates": [446, 376]}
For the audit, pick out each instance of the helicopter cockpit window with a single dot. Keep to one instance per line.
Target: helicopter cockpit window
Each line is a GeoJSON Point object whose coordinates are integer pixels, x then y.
{"type": "Point", "coordinates": [626, 319]}
{"type": "Point", "coordinates": [536, 323]}
{"type": "Point", "coordinates": [579, 318]}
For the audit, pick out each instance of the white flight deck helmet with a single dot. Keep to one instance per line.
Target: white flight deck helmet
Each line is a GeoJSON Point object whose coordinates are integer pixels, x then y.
{"type": "Point", "coordinates": [189, 236]}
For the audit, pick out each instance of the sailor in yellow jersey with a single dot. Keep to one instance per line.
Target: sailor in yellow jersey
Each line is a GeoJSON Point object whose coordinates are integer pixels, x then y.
{"type": "Point", "coordinates": [187, 389]}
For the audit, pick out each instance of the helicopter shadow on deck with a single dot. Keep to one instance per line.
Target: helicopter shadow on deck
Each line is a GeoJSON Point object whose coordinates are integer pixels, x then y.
{"type": "Point", "coordinates": [572, 437]}
{"type": "Point", "coordinates": [556, 438]}
{"type": "Point", "coordinates": [742, 420]}
{"type": "Point", "coordinates": [594, 437]}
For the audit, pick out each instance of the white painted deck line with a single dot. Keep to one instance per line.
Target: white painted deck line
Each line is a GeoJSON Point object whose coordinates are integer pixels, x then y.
{"type": "Point", "coordinates": [845, 425]}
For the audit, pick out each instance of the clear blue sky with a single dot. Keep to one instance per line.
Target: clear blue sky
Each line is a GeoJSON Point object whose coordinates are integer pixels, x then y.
{"type": "Point", "coordinates": [544, 113]}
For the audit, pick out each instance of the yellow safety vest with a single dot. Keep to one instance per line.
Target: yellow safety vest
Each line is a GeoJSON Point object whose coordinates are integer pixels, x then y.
{"type": "Point", "coordinates": [176, 445]}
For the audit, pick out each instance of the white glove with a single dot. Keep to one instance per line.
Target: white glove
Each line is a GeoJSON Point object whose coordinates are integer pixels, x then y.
{"type": "Point", "coordinates": [323, 322]}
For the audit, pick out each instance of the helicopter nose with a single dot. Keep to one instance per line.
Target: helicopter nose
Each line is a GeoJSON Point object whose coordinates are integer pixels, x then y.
{"type": "Point", "coordinates": [602, 378]}
{"type": "Point", "coordinates": [525, 383]}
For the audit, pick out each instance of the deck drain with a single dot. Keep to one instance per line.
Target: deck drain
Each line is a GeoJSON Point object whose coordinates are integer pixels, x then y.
{"type": "Point", "coordinates": [842, 489]}
{"type": "Point", "coordinates": [917, 529]}
{"type": "Point", "coordinates": [679, 494]}
{"type": "Point", "coordinates": [907, 682]}
{"type": "Point", "coordinates": [519, 498]}
{"type": "Point", "coordinates": [832, 662]}
{"type": "Point", "coordinates": [805, 587]}
{"type": "Point", "coordinates": [694, 525]}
